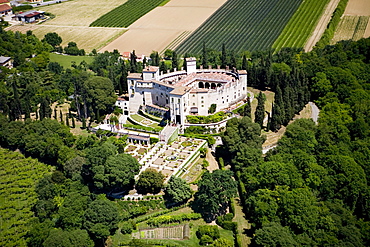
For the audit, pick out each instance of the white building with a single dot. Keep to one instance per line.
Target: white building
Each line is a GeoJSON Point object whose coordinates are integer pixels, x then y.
{"type": "Point", "coordinates": [183, 93]}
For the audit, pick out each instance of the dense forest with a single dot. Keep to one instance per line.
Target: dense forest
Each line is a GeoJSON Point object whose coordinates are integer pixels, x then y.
{"type": "Point", "coordinates": [311, 190]}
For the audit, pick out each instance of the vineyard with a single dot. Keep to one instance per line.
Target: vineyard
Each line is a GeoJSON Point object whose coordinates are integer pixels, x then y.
{"type": "Point", "coordinates": [18, 177]}
{"type": "Point", "coordinates": [351, 27]}
{"type": "Point", "coordinates": [242, 25]}
{"type": "Point", "coordinates": [301, 25]}
{"type": "Point", "coordinates": [175, 232]}
{"type": "Point", "coordinates": [126, 14]}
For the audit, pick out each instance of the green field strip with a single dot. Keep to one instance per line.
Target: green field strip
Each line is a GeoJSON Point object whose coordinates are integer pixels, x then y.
{"type": "Point", "coordinates": [126, 14]}
{"type": "Point", "coordinates": [298, 30]}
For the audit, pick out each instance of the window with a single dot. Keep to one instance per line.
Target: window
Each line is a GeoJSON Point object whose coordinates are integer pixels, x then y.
{"type": "Point", "coordinates": [193, 103]}
{"type": "Point", "coordinates": [171, 100]}
{"type": "Point", "coordinates": [178, 101]}
{"type": "Point", "coordinates": [202, 105]}
{"type": "Point", "coordinates": [201, 97]}
{"type": "Point", "coordinates": [193, 95]}
{"type": "Point", "coordinates": [202, 102]}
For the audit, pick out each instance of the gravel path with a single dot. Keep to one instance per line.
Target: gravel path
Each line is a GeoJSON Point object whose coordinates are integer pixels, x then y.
{"type": "Point", "coordinates": [321, 26]}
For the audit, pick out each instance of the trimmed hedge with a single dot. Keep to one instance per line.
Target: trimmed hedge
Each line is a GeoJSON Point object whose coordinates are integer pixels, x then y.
{"type": "Point", "coordinates": [168, 219]}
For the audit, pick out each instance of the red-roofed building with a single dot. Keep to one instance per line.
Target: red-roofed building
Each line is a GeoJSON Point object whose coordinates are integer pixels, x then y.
{"type": "Point", "coordinates": [30, 16]}
{"type": "Point", "coordinates": [5, 8]}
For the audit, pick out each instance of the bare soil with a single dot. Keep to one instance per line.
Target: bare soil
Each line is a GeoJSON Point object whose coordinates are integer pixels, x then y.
{"type": "Point", "coordinates": [158, 28]}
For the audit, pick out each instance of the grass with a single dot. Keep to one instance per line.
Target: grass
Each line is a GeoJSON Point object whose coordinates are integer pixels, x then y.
{"type": "Point", "coordinates": [137, 117]}
{"type": "Point", "coordinates": [66, 61]}
{"type": "Point", "coordinates": [242, 25]}
{"type": "Point", "coordinates": [243, 224]}
{"type": "Point", "coordinates": [301, 25]}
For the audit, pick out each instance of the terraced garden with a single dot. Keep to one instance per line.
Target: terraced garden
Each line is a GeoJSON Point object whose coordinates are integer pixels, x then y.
{"type": "Point", "coordinates": [242, 25]}
{"type": "Point", "coordinates": [127, 13]}
{"type": "Point", "coordinates": [301, 25]}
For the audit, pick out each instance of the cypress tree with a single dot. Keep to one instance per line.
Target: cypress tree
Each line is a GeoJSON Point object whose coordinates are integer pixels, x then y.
{"type": "Point", "coordinates": [259, 115]}
{"type": "Point", "coordinates": [174, 61]}
{"type": "Point", "coordinates": [248, 109]}
{"type": "Point", "coordinates": [232, 60]}
{"type": "Point", "coordinates": [245, 63]}
{"type": "Point", "coordinates": [184, 63]}
{"type": "Point", "coordinates": [73, 122]}
{"type": "Point", "coordinates": [55, 113]}
{"type": "Point", "coordinates": [61, 116]}
{"type": "Point", "coordinates": [204, 56]}
{"type": "Point", "coordinates": [37, 115]}
{"type": "Point", "coordinates": [133, 63]}
{"type": "Point", "coordinates": [83, 123]}
{"type": "Point", "coordinates": [276, 118]}
{"type": "Point", "coordinates": [223, 56]}
{"type": "Point", "coordinates": [67, 120]}
{"type": "Point", "coordinates": [280, 104]}
{"type": "Point", "coordinates": [163, 67]}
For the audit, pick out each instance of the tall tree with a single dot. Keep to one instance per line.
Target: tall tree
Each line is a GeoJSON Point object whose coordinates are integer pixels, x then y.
{"type": "Point", "coordinates": [223, 56]}
{"type": "Point", "coordinates": [215, 190]}
{"type": "Point", "coordinates": [150, 181]}
{"type": "Point", "coordinates": [133, 62]}
{"type": "Point", "coordinates": [259, 115]}
{"type": "Point", "coordinates": [177, 190]}
{"type": "Point", "coordinates": [175, 64]}
{"type": "Point", "coordinates": [101, 219]}
{"type": "Point", "coordinates": [204, 56]}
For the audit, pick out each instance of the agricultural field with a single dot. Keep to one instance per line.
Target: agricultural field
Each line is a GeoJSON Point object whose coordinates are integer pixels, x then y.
{"type": "Point", "coordinates": [351, 27]}
{"type": "Point", "coordinates": [302, 24]}
{"type": "Point", "coordinates": [354, 23]}
{"type": "Point", "coordinates": [18, 177]}
{"type": "Point", "coordinates": [72, 20]}
{"type": "Point", "coordinates": [174, 21]}
{"type": "Point", "coordinates": [254, 25]}
{"type": "Point", "coordinates": [126, 14]}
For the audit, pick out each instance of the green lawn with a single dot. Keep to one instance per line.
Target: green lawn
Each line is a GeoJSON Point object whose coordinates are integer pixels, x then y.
{"type": "Point", "coordinates": [66, 61]}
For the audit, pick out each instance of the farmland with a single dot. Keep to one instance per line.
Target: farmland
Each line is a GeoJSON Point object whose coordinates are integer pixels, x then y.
{"type": "Point", "coordinates": [72, 21]}
{"type": "Point", "coordinates": [126, 14]}
{"type": "Point", "coordinates": [254, 25]}
{"type": "Point", "coordinates": [351, 27]}
{"type": "Point", "coordinates": [301, 25]}
{"type": "Point", "coordinates": [18, 177]}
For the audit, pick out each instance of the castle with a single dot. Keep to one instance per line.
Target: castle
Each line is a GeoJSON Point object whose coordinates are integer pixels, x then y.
{"type": "Point", "coordinates": [182, 93]}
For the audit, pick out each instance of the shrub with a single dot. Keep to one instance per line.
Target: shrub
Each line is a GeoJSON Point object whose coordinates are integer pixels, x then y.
{"type": "Point", "coordinates": [128, 226]}
{"type": "Point", "coordinates": [205, 240]}
{"type": "Point", "coordinates": [211, 231]}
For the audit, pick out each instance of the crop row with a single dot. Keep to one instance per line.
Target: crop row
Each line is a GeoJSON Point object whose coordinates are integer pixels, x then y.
{"type": "Point", "coordinates": [126, 14]}
{"type": "Point", "coordinates": [17, 181]}
{"type": "Point", "coordinates": [301, 25]}
{"type": "Point", "coordinates": [242, 25]}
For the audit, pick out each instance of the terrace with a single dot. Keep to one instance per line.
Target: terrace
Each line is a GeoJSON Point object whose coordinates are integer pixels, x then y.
{"type": "Point", "coordinates": [170, 159]}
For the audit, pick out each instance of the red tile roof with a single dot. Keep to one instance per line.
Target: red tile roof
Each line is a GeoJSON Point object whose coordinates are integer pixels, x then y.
{"type": "Point", "coordinates": [4, 1]}
{"type": "Point", "coordinates": [4, 7]}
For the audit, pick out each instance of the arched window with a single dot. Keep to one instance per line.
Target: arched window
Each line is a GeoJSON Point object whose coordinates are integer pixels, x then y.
{"type": "Point", "coordinates": [213, 85]}
{"type": "Point", "coordinates": [201, 84]}
{"type": "Point", "coordinates": [206, 85]}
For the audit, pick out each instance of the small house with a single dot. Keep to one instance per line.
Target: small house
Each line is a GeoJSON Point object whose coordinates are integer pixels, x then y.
{"type": "Point", "coordinates": [30, 16]}
{"type": "Point", "coordinates": [6, 62]}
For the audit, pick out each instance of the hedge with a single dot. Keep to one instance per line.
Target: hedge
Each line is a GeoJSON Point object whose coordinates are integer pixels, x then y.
{"type": "Point", "coordinates": [167, 219]}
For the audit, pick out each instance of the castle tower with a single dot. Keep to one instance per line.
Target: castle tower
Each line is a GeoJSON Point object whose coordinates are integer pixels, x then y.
{"type": "Point", "coordinates": [191, 65]}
